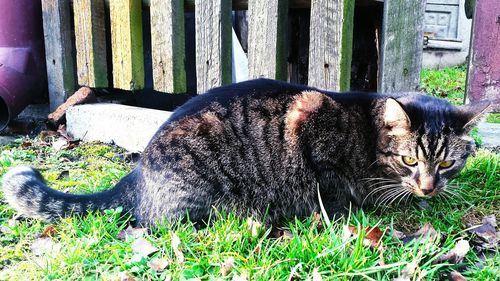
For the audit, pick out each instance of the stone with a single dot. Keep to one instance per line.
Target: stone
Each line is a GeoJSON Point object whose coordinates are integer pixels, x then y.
{"type": "Point", "coordinates": [490, 135]}
{"type": "Point", "coordinates": [126, 126]}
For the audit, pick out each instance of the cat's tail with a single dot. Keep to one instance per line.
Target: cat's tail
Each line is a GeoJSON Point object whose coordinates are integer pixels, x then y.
{"type": "Point", "coordinates": [26, 191]}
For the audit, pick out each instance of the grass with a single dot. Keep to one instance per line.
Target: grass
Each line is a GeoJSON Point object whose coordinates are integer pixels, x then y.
{"type": "Point", "coordinates": [90, 247]}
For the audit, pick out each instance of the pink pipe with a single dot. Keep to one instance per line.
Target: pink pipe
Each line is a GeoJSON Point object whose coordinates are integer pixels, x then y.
{"type": "Point", "coordinates": [23, 74]}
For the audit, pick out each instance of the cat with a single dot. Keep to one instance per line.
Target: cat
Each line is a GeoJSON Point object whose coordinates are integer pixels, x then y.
{"type": "Point", "coordinates": [270, 150]}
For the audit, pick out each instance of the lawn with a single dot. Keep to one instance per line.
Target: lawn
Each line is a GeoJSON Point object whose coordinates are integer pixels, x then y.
{"type": "Point", "coordinates": [104, 246]}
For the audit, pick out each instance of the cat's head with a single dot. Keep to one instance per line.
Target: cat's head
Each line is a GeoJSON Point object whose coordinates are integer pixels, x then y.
{"type": "Point", "coordinates": [424, 141]}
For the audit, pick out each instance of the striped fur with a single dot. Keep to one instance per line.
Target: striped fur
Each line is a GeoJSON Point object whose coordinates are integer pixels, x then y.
{"type": "Point", "coordinates": [261, 148]}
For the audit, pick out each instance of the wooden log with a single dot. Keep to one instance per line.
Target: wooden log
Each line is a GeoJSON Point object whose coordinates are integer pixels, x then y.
{"type": "Point", "coordinates": [483, 79]}
{"type": "Point", "coordinates": [401, 45]}
{"type": "Point", "coordinates": [213, 43]}
{"type": "Point", "coordinates": [167, 46]}
{"type": "Point", "coordinates": [126, 43]}
{"type": "Point", "coordinates": [90, 41]}
{"type": "Point", "coordinates": [58, 50]}
{"type": "Point", "coordinates": [266, 42]}
{"type": "Point", "coordinates": [330, 47]}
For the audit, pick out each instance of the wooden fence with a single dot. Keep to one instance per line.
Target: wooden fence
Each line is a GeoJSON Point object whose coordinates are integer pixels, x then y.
{"type": "Point", "coordinates": [78, 41]}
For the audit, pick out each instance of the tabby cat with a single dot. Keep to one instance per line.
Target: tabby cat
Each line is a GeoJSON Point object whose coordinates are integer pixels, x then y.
{"type": "Point", "coordinates": [268, 149]}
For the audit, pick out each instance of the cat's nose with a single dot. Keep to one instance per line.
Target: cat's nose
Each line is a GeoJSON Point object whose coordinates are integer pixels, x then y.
{"type": "Point", "coordinates": [427, 191]}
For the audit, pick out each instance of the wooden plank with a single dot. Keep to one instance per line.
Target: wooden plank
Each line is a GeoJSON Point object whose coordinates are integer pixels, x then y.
{"type": "Point", "coordinates": [58, 50]}
{"type": "Point", "coordinates": [483, 77]}
{"type": "Point", "coordinates": [90, 41]}
{"type": "Point", "coordinates": [213, 43]}
{"type": "Point", "coordinates": [266, 42]}
{"type": "Point", "coordinates": [243, 4]}
{"type": "Point", "coordinates": [167, 46]}
{"type": "Point", "coordinates": [330, 47]}
{"type": "Point", "coordinates": [126, 43]}
{"type": "Point", "coordinates": [401, 45]}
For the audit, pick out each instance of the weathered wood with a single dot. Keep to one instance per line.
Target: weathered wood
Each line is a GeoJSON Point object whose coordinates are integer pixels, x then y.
{"type": "Point", "coordinates": [243, 4]}
{"type": "Point", "coordinates": [60, 63]}
{"type": "Point", "coordinates": [401, 45]}
{"type": "Point", "coordinates": [483, 79]}
{"type": "Point", "coordinates": [266, 42]}
{"type": "Point", "coordinates": [213, 43]}
{"type": "Point", "coordinates": [90, 41]}
{"type": "Point", "coordinates": [330, 47]}
{"type": "Point", "coordinates": [126, 43]}
{"type": "Point", "coordinates": [167, 46]}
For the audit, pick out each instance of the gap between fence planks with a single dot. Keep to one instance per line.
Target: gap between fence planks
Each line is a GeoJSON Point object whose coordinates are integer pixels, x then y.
{"type": "Point", "coordinates": [58, 50]}
{"type": "Point", "coordinates": [402, 45]}
{"type": "Point", "coordinates": [90, 43]}
{"type": "Point", "coordinates": [213, 43]}
{"type": "Point", "coordinates": [126, 43]}
{"type": "Point", "coordinates": [330, 47]}
{"type": "Point", "coordinates": [266, 39]}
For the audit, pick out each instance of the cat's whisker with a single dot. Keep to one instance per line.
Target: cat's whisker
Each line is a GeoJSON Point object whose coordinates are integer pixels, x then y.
{"type": "Point", "coordinates": [378, 189]}
{"type": "Point", "coordinates": [402, 191]}
{"type": "Point", "coordinates": [387, 195]}
{"type": "Point", "coordinates": [406, 192]}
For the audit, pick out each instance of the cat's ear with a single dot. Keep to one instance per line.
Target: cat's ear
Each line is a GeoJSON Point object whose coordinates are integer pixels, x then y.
{"type": "Point", "coordinates": [395, 117]}
{"type": "Point", "coordinates": [471, 113]}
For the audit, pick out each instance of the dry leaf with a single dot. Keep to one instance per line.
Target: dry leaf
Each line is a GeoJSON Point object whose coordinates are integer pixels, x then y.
{"type": "Point", "coordinates": [257, 248]}
{"type": "Point", "coordinates": [316, 276]}
{"type": "Point", "coordinates": [254, 227]}
{"type": "Point", "coordinates": [5, 229]}
{"type": "Point", "coordinates": [243, 276]}
{"type": "Point", "coordinates": [281, 233]}
{"type": "Point", "coordinates": [131, 232]}
{"type": "Point", "coordinates": [427, 231]}
{"type": "Point", "coordinates": [486, 235]}
{"type": "Point", "coordinates": [158, 264]}
{"type": "Point", "coordinates": [59, 144]}
{"type": "Point", "coordinates": [455, 255]}
{"type": "Point", "coordinates": [125, 276]}
{"type": "Point", "coordinates": [176, 242]}
{"type": "Point", "coordinates": [49, 231]}
{"type": "Point", "coordinates": [456, 276]}
{"type": "Point", "coordinates": [43, 246]}
{"type": "Point", "coordinates": [227, 266]}
{"type": "Point", "coordinates": [408, 271]}
{"type": "Point", "coordinates": [142, 247]}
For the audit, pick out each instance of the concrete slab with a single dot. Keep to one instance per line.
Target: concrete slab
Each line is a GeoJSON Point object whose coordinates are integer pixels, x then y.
{"type": "Point", "coordinates": [5, 140]}
{"type": "Point", "coordinates": [490, 134]}
{"type": "Point", "coordinates": [126, 126]}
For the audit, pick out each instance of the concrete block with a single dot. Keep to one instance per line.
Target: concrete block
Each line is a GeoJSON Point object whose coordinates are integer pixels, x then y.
{"type": "Point", "coordinates": [126, 126]}
{"type": "Point", "coordinates": [490, 135]}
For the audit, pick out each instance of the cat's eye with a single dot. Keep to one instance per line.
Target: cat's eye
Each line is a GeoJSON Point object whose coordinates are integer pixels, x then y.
{"type": "Point", "coordinates": [446, 164]}
{"type": "Point", "coordinates": [410, 161]}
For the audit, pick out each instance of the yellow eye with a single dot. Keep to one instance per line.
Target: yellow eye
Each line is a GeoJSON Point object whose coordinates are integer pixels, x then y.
{"type": "Point", "coordinates": [446, 164]}
{"type": "Point", "coordinates": [410, 161]}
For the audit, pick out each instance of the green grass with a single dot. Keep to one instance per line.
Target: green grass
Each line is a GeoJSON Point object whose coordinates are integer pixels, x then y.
{"type": "Point", "coordinates": [448, 83]}
{"type": "Point", "coordinates": [87, 247]}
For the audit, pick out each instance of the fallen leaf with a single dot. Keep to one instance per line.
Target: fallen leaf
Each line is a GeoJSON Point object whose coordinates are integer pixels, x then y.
{"type": "Point", "coordinates": [257, 248]}
{"type": "Point", "coordinates": [158, 264]}
{"type": "Point", "coordinates": [49, 231]}
{"type": "Point", "coordinates": [243, 276]}
{"type": "Point", "coordinates": [373, 235]}
{"type": "Point", "coordinates": [294, 275]}
{"type": "Point", "coordinates": [131, 232]}
{"type": "Point", "coordinates": [26, 144]}
{"type": "Point", "coordinates": [59, 144]}
{"type": "Point", "coordinates": [176, 242]}
{"type": "Point", "coordinates": [456, 276]}
{"type": "Point", "coordinates": [227, 266]}
{"type": "Point", "coordinates": [408, 271]}
{"type": "Point", "coordinates": [281, 233]}
{"type": "Point", "coordinates": [486, 236]}
{"type": "Point", "coordinates": [455, 255]}
{"type": "Point", "coordinates": [125, 276]}
{"type": "Point", "coordinates": [43, 246]}
{"type": "Point", "coordinates": [142, 247]}
{"type": "Point", "coordinates": [5, 229]}
{"type": "Point", "coordinates": [254, 227]}
{"type": "Point", "coordinates": [316, 276]}
{"type": "Point", "coordinates": [427, 232]}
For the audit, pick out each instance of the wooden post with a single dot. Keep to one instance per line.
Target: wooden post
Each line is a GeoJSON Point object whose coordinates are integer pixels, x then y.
{"type": "Point", "coordinates": [90, 41]}
{"type": "Point", "coordinates": [266, 42]}
{"type": "Point", "coordinates": [401, 47]}
{"type": "Point", "coordinates": [58, 55]}
{"type": "Point", "coordinates": [213, 43]}
{"type": "Point", "coordinates": [330, 47]}
{"type": "Point", "coordinates": [126, 43]}
{"type": "Point", "coordinates": [167, 46]}
{"type": "Point", "coordinates": [483, 77]}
